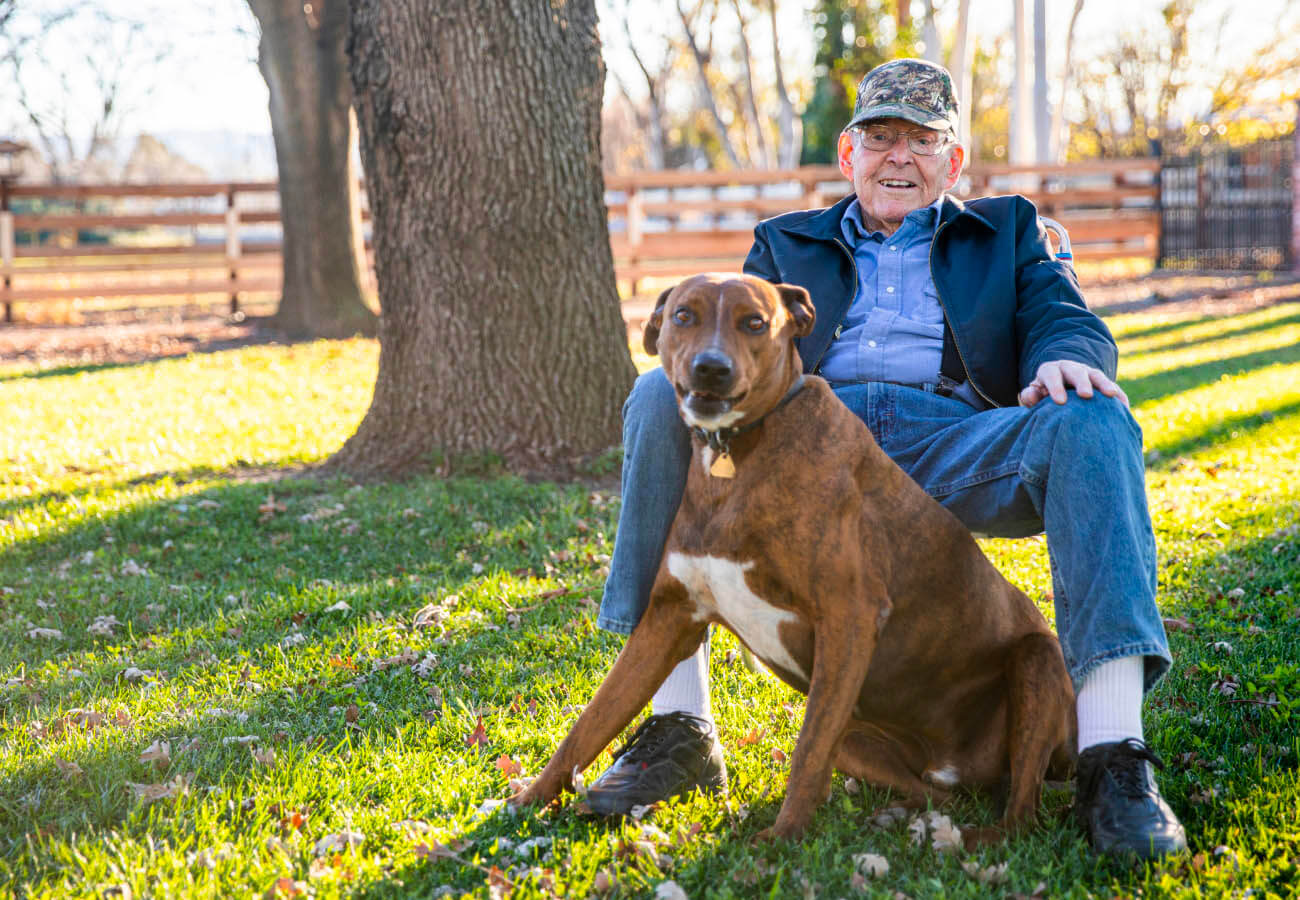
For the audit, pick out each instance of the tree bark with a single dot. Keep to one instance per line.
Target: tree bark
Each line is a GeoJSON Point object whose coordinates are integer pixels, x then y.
{"type": "Point", "coordinates": [301, 57]}
{"type": "Point", "coordinates": [502, 335]}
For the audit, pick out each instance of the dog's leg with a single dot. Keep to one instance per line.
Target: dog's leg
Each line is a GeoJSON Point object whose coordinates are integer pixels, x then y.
{"type": "Point", "coordinates": [666, 635]}
{"type": "Point", "coordinates": [1040, 723]}
{"type": "Point", "coordinates": [842, 654]}
{"type": "Point", "coordinates": [873, 757]}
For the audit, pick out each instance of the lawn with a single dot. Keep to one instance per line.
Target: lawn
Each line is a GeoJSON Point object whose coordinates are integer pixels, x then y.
{"type": "Point", "coordinates": [219, 678]}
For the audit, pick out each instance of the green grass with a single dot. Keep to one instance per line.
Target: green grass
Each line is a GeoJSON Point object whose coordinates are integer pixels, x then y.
{"type": "Point", "coordinates": [161, 495]}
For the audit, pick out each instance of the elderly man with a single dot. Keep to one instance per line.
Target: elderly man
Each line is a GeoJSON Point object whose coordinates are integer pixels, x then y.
{"type": "Point", "coordinates": [950, 330]}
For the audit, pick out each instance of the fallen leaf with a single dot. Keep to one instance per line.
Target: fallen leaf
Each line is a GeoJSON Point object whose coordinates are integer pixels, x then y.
{"type": "Point", "coordinates": [343, 840]}
{"type": "Point", "coordinates": [603, 883]}
{"type": "Point", "coordinates": [285, 887]}
{"type": "Point", "coordinates": [945, 836]}
{"type": "Point", "coordinates": [352, 713]}
{"type": "Point", "coordinates": [478, 737]}
{"type": "Point", "coordinates": [1179, 624]}
{"type": "Point", "coordinates": [779, 755]}
{"type": "Point", "coordinates": [871, 865]}
{"type": "Point", "coordinates": [669, 890]}
{"type": "Point", "coordinates": [159, 752]}
{"type": "Point", "coordinates": [263, 756]}
{"type": "Point", "coordinates": [755, 735]}
{"type": "Point", "coordinates": [508, 766]}
{"type": "Point", "coordinates": [148, 793]}
{"type": "Point", "coordinates": [69, 769]}
{"type": "Point", "coordinates": [51, 634]}
{"type": "Point", "coordinates": [852, 786]}
{"type": "Point", "coordinates": [986, 875]}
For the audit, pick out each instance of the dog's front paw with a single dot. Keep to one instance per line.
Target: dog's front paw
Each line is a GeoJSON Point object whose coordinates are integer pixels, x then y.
{"type": "Point", "coordinates": [539, 793]}
{"type": "Point", "coordinates": [781, 831]}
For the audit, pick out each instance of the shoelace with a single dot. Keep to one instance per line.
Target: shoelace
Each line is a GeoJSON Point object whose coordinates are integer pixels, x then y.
{"type": "Point", "coordinates": [1124, 762]}
{"type": "Point", "coordinates": [649, 735]}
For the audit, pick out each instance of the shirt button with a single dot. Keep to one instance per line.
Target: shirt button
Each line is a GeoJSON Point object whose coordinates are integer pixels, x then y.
{"type": "Point", "coordinates": [889, 290]}
{"type": "Point", "coordinates": [871, 343]}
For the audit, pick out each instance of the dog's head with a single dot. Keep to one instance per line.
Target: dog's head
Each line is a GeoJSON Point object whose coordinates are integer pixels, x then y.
{"type": "Point", "coordinates": [727, 343]}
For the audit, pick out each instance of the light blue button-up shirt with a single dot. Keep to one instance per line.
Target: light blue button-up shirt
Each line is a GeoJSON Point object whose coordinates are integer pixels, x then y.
{"type": "Point", "coordinates": [893, 330]}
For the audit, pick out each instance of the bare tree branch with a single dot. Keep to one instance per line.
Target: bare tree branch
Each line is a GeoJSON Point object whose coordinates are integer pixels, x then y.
{"type": "Point", "coordinates": [705, 89]}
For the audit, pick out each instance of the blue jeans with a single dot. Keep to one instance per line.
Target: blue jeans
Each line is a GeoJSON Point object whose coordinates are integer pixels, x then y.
{"type": "Point", "coordinates": [1074, 471]}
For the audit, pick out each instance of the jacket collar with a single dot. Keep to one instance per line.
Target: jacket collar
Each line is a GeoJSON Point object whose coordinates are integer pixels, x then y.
{"type": "Point", "coordinates": [825, 225]}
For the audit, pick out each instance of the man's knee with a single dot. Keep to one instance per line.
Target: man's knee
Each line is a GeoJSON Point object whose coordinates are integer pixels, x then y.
{"type": "Point", "coordinates": [1098, 420]}
{"type": "Point", "coordinates": [651, 407]}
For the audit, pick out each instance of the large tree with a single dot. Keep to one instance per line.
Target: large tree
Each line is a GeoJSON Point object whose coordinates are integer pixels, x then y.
{"type": "Point", "coordinates": [302, 59]}
{"type": "Point", "coordinates": [480, 136]}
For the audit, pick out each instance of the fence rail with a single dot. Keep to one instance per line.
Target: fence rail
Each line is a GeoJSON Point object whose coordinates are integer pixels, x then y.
{"type": "Point", "coordinates": [222, 238]}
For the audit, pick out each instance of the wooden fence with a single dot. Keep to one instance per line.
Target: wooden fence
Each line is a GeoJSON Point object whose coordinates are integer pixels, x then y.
{"type": "Point", "coordinates": [190, 240]}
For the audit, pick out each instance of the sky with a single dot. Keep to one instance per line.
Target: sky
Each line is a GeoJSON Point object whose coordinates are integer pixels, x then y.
{"type": "Point", "coordinates": [208, 79]}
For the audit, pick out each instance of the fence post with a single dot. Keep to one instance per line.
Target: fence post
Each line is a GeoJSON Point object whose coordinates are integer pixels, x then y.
{"type": "Point", "coordinates": [6, 246]}
{"type": "Point", "coordinates": [635, 224]}
{"type": "Point", "coordinates": [232, 248]}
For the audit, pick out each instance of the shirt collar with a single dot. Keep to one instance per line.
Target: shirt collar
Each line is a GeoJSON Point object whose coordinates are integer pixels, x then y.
{"type": "Point", "coordinates": [854, 230]}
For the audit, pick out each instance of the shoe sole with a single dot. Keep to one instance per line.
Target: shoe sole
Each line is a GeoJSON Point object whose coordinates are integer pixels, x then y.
{"type": "Point", "coordinates": [609, 808]}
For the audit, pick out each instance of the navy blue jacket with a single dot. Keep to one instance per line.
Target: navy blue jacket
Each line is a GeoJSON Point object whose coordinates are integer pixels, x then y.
{"type": "Point", "coordinates": [1008, 305]}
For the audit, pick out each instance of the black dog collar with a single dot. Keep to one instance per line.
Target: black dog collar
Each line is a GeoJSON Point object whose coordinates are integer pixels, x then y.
{"type": "Point", "coordinates": [720, 441]}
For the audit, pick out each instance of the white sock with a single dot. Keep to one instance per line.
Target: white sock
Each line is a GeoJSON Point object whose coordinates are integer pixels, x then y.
{"type": "Point", "coordinates": [687, 687]}
{"type": "Point", "coordinates": [1110, 702]}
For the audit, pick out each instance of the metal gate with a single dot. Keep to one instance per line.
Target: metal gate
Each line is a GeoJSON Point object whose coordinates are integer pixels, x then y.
{"type": "Point", "coordinates": [1227, 207]}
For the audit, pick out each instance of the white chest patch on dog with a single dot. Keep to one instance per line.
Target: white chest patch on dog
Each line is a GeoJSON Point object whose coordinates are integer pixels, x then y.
{"type": "Point", "coordinates": [718, 586]}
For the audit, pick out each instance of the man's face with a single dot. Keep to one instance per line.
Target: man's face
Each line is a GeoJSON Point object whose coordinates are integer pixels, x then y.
{"type": "Point", "coordinates": [891, 183]}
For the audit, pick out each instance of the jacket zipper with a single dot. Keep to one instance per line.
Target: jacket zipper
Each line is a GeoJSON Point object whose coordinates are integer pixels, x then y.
{"type": "Point", "coordinates": [854, 262]}
{"type": "Point", "coordinates": [938, 293]}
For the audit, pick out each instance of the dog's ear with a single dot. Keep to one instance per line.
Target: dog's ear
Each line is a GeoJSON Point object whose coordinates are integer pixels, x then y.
{"type": "Point", "coordinates": [799, 305]}
{"type": "Point", "coordinates": [650, 336]}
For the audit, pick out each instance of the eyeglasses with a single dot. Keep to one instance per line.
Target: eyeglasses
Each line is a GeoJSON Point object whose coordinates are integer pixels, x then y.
{"type": "Point", "coordinates": [884, 137]}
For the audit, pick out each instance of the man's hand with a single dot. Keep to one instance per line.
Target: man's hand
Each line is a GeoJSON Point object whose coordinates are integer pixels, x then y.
{"type": "Point", "coordinates": [1053, 378]}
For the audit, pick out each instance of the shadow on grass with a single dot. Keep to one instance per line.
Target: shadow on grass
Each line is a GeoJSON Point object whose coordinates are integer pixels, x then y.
{"type": "Point", "coordinates": [1235, 427]}
{"type": "Point", "coordinates": [1227, 334]}
{"type": "Point", "coordinates": [1159, 385]}
{"type": "Point", "coordinates": [260, 335]}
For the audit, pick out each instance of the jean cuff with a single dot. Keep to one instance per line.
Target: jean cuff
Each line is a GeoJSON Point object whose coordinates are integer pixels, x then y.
{"type": "Point", "coordinates": [1156, 657]}
{"type": "Point", "coordinates": [617, 626]}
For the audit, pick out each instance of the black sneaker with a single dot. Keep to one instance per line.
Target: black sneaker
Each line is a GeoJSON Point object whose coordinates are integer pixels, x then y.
{"type": "Point", "coordinates": [1119, 805]}
{"type": "Point", "coordinates": [666, 756]}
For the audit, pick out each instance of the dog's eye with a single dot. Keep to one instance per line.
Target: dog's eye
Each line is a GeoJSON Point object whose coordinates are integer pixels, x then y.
{"type": "Point", "coordinates": [754, 324]}
{"type": "Point", "coordinates": [683, 315]}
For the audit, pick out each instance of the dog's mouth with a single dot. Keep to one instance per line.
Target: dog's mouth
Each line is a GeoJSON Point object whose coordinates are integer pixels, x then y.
{"type": "Point", "coordinates": [706, 405]}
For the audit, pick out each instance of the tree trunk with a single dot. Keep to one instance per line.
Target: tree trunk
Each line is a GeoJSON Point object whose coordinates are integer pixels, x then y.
{"type": "Point", "coordinates": [1060, 135]}
{"type": "Point", "coordinates": [963, 65]}
{"type": "Point", "coordinates": [301, 57]}
{"type": "Point", "coordinates": [789, 128]}
{"type": "Point", "coordinates": [502, 335]}
{"type": "Point", "coordinates": [706, 90]}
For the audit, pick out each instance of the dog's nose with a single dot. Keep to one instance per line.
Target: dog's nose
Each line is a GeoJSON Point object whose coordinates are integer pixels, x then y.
{"type": "Point", "coordinates": [710, 368]}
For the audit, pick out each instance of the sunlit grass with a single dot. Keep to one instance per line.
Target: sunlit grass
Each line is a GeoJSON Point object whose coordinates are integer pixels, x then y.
{"type": "Point", "coordinates": [253, 613]}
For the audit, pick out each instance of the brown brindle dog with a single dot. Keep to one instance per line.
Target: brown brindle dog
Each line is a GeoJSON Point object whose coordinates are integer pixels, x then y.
{"type": "Point", "coordinates": [925, 669]}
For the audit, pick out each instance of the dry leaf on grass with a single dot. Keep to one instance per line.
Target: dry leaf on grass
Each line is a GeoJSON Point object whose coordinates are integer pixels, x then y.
{"type": "Point", "coordinates": [51, 634]}
{"type": "Point", "coordinates": [871, 865]}
{"type": "Point", "coordinates": [148, 793]}
{"type": "Point", "coordinates": [478, 737]}
{"type": "Point", "coordinates": [286, 887]}
{"type": "Point", "coordinates": [986, 875]}
{"type": "Point", "coordinates": [778, 755]}
{"type": "Point", "coordinates": [159, 753]}
{"type": "Point", "coordinates": [669, 890]}
{"type": "Point", "coordinates": [263, 756]}
{"type": "Point", "coordinates": [69, 769]}
{"type": "Point", "coordinates": [753, 736]}
{"type": "Point", "coordinates": [335, 843]}
{"type": "Point", "coordinates": [603, 883]}
{"type": "Point", "coordinates": [508, 766]}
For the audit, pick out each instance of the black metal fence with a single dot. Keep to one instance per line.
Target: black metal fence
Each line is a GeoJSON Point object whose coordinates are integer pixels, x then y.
{"type": "Point", "coordinates": [1227, 207]}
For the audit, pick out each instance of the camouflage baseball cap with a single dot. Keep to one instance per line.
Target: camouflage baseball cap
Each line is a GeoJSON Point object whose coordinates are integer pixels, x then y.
{"type": "Point", "coordinates": [913, 89]}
